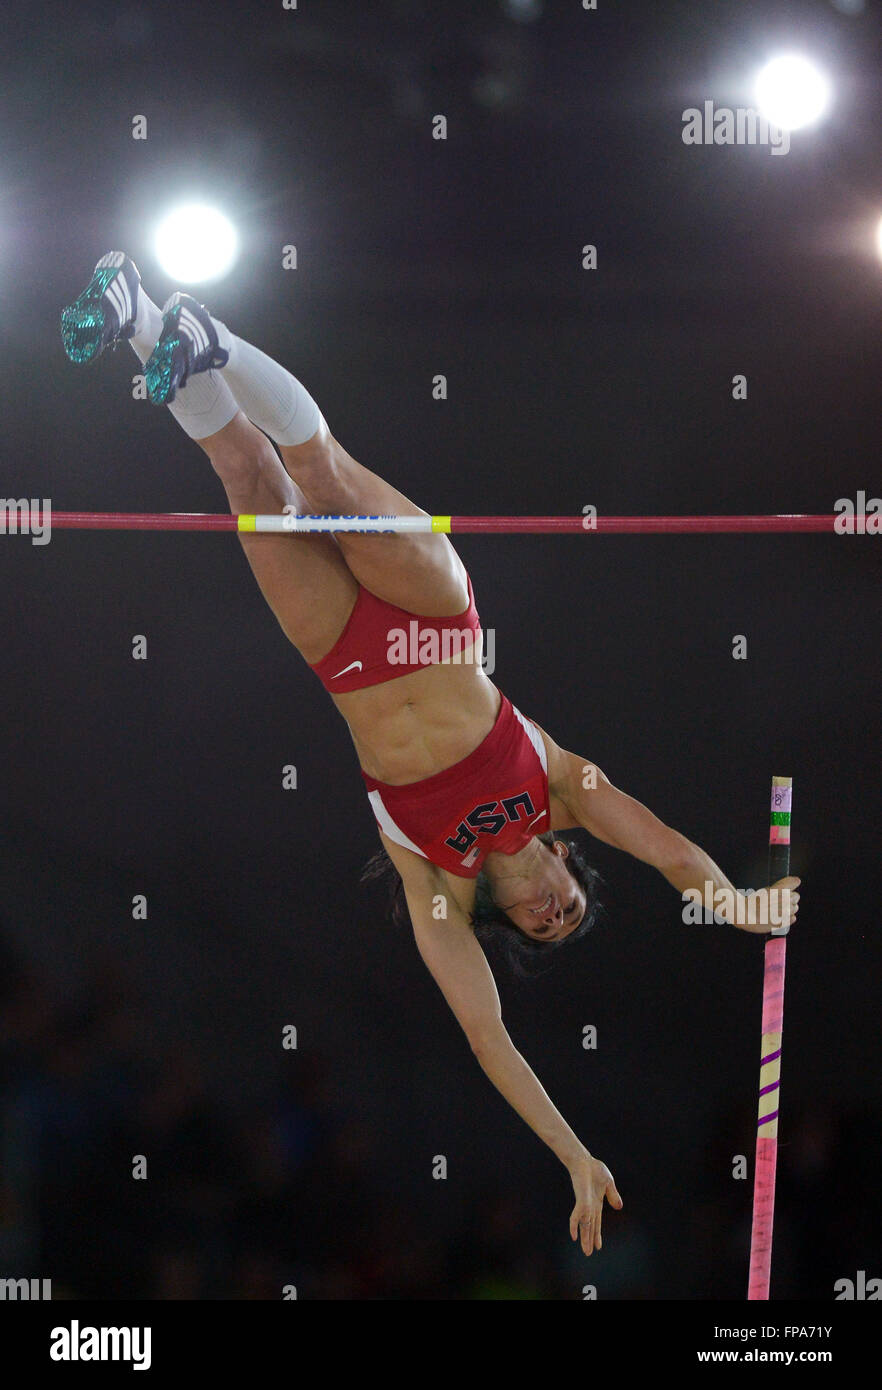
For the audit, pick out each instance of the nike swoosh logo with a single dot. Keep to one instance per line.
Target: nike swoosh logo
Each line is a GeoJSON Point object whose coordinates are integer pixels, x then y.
{"type": "Point", "coordinates": [535, 818]}
{"type": "Point", "coordinates": [353, 666]}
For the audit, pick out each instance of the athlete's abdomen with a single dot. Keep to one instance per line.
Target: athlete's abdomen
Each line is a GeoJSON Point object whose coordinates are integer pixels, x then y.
{"type": "Point", "coordinates": [421, 723]}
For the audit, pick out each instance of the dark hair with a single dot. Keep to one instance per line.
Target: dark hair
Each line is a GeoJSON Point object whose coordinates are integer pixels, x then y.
{"type": "Point", "coordinates": [522, 952]}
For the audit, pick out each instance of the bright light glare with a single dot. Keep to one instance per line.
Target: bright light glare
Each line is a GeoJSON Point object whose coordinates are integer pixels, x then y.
{"type": "Point", "coordinates": [791, 92]}
{"type": "Point", "coordinates": [879, 238]}
{"type": "Point", "coordinates": [196, 243]}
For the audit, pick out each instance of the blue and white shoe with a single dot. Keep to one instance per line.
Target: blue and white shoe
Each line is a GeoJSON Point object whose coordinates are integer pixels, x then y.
{"type": "Point", "coordinates": [187, 344]}
{"type": "Point", "coordinates": [105, 311]}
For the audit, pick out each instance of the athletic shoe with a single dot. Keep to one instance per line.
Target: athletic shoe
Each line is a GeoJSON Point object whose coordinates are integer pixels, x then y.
{"type": "Point", "coordinates": [105, 311]}
{"type": "Point", "coordinates": [187, 344]}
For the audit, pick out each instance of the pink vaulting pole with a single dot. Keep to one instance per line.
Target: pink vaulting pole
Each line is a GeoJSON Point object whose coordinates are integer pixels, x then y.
{"type": "Point", "coordinates": [775, 957]}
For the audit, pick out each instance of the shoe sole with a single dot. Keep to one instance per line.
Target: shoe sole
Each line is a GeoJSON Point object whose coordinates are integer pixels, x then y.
{"type": "Point", "coordinates": [162, 370]}
{"type": "Point", "coordinates": [83, 322]}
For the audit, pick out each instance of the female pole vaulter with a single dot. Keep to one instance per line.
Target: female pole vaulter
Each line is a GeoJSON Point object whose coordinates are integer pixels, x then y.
{"type": "Point", "coordinates": [471, 797]}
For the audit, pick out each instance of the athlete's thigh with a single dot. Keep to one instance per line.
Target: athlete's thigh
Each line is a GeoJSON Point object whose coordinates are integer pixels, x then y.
{"type": "Point", "coordinates": [305, 579]}
{"type": "Point", "coordinates": [308, 585]}
{"type": "Point", "coordinates": [421, 573]}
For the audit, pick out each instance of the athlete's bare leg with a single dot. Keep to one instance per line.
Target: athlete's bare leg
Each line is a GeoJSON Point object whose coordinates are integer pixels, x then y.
{"type": "Point", "coordinates": [421, 573]}
{"type": "Point", "coordinates": [305, 579]}
{"type": "Point", "coordinates": [311, 582]}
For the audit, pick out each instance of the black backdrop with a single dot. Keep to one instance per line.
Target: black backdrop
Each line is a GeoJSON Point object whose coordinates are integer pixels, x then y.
{"type": "Point", "coordinates": [566, 387]}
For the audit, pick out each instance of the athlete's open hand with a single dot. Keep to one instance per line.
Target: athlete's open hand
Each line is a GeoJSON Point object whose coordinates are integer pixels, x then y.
{"type": "Point", "coordinates": [592, 1181]}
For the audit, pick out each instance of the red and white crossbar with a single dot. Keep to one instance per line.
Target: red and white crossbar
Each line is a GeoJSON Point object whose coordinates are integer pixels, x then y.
{"type": "Point", "coordinates": [456, 525]}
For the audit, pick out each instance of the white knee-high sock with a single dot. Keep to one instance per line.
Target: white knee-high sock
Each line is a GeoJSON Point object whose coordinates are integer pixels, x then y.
{"type": "Point", "coordinates": [270, 396]}
{"type": "Point", "coordinates": [206, 403]}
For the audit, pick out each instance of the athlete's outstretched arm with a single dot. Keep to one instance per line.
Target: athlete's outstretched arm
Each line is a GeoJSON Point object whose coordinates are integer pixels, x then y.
{"type": "Point", "coordinates": [616, 818]}
{"type": "Point", "coordinates": [455, 959]}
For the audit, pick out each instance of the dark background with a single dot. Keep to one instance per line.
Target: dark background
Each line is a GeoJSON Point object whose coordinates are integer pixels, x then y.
{"type": "Point", "coordinates": [163, 777]}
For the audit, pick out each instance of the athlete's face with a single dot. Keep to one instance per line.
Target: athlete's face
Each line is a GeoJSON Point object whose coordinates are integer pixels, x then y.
{"type": "Point", "coordinates": [550, 904]}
